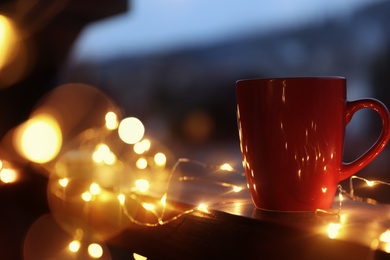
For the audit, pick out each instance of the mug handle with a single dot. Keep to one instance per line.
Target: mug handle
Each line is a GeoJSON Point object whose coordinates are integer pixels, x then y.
{"type": "Point", "coordinates": [348, 169]}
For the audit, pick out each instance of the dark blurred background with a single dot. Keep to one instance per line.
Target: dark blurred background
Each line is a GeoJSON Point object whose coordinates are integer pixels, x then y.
{"type": "Point", "coordinates": [173, 64]}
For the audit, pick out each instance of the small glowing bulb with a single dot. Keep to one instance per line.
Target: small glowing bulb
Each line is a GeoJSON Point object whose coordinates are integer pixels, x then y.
{"type": "Point", "coordinates": [121, 198]}
{"type": "Point", "coordinates": [370, 183]}
{"type": "Point", "coordinates": [160, 159]}
{"type": "Point", "coordinates": [94, 189]}
{"type": "Point", "coordinates": [387, 248]}
{"type": "Point", "coordinates": [110, 158]}
{"type": "Point", "coordinates": [333, 230]}
{"type": "Point", "coordinates": [74, 246]}
{"type": "Point", "coordinates": [385, 236]}
{"type": "Point", "coordinates": [101, 152]}
{"type": "Point", "coordinates": [95, 250]}
{"type": "Point", "coordinates": [203, 207]}
{"type": "Point", "coordinates": [63, 182]}
{"type": "Point", "coordinates": [237, 188]}
{"type": "Point", "coordinates": [148, 206]}
{"type": "Point", "coordinates": [8, 175]}
{"type": "Point", "coordinates": [163, 200]}
{"type": "Point", "coordinates": [226, 167]}
{"type": "Point", "coordinates": [141, 163]}
{"type": "Point", "coordinates": [111, 120]}
{"type": "Point", "coordinates": [142, 185]}
{"type": "Point", "coordinates": [142, 146]}
{"type": "Point", "coordinates": [86, 196]}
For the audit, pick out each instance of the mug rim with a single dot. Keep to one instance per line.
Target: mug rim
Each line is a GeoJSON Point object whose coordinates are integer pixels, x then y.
{"type": "Point", "coordinates": [293, 78]}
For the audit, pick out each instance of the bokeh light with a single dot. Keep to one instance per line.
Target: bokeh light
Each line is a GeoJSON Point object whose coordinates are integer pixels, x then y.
{"type": "Point", "coordinates": [111, 120]}
{"type": "Point", "coordinates": [8, 175]}
{"type": "Point", "coordinates": [63, 182]}
{"type": "Point", "coordinates": [142, 185]}
{"type": "Point", "coordinates": [86, 196]}
{"type": "Point", "coordinates": [39, 139]}
{"type": "Point", "coordinates": [74, 246]}
{"type": "Point", "coordinates": [333, 230]}
{"type": "Point", "coordinates": [95, 250]}
{"type": "Point", "coordinates": [15, 60]}
{"type": "Point", "coordinates": [141, 163]}
{"type": "Point", "coordinates": [226, 167]}
{"type": "Point", "coordinates": [131, 130]}
{"type": "Point", "coordinates": [160, 159]}
{"type": "Point", "coordinates": [142, 146]}
{"type": "Point", "coordinates": [104, 154]}
{"type": "Point", "coordinates": [8, 40]}
{"type": "Point", "coordinates": [94, 188]}
{"type": "Point", "coordinates": [385, 236]}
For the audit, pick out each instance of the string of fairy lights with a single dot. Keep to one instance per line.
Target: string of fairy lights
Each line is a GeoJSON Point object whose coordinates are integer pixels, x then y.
{"type": "Point", "coordinates": [77, 187]}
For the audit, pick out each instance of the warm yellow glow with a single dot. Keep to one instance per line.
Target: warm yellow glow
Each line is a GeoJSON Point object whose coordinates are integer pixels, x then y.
{"type": "Point", "coordinates": [160, 159]}
{"type": "Point", "coordinates": [387, 248]}
{"type": "Point", "coordinates": [86, 196]}
{"type": "Point", "coordinates": [226, 167]}
{"type": "Point", "coordinates": [8, 40]}
{"type": "Point", "coordinates": [333, 230]}
{"type": "Point", "coordinates": [370, 183]}
{"type": "Point", "coordinates": [79, 232]}
{"type": "Point", "coordinates": [237, 188]}
{"type": "Point", "coordinates": [374, 244]}
{"type": "Point", "coordinates": [39, 139]}
{"type": "Point", "coordinates": [203, 207]}
{"type": "Point", "coordinates": [111, 121]}
{"type": "Point", "coordinates": [142, 185]}
{"type": "Point", "coordinates": [385, 236]}
{"type": "Point", "coordinates": [148, 206]}
{"type": "Point", "coordinates": [341, 198]}
{"type": "Point", "coordinates": [343, 218]}
{"type": "Point", "coordinates": [324, 189]}
{"type": "Point", "coordinates": [1, 164]}
{"type": "Point", "coordinates": [121, 198]}
{"type": "Point", "coordinates": [110, 158]}
{"type": "Point", "coordinates": [94, 189]}
{"type": "Point", "coordinates": [74, 246]}
{"type": "Point", "coordinates": [63, 182]}
{"type": "Point", "coordinates": [139, 257]}
{"type": "Point", "coordinates": [131, 130]}
{"type": "Point", "coordinates": [142, 146]}
{"type": "Point", "coordinates": [141, 163]}
{"type": "Point", "coordinates": [8, 175]}
{"type": "Point", "coordinates": [163, 200]}
{"type": "Point", "coordinates": [101, 151]}
{"type": "Point", "coordinates": [95, 250]}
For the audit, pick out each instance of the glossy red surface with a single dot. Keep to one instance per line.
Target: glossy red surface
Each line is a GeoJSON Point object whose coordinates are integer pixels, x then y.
{"type": "Point", "coordinates": [291, 137]}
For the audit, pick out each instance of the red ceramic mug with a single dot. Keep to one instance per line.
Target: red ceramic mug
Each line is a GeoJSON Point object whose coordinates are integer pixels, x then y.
{"type": "Point", "coordinates": [291, 138]}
